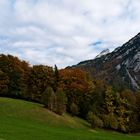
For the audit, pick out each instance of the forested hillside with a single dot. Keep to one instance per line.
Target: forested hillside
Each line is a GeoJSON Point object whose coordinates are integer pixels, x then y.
{"type": "Point", "coordinates": [73, 91]}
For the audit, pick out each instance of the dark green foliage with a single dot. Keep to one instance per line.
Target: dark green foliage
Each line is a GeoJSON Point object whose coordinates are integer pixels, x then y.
{"type": "Point", "coordinates": [98, 98]}
{"type": "Point", "coordinates": [57, 78]}
{"type": "Point", "coordinates": [61, 101]}
{"type": "Point", "coordinates": [94, 120]}
{"type": "Point", "coordinates": [110, 121]}
{"type": "Point", "coordinates": [49, 99]}
{"type": "Point", "coordinates": [74, 109]}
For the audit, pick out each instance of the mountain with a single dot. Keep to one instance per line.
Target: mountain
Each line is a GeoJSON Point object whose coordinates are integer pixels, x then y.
{"type": "Point", "coordinates": [120, 68]}
{"type": "Point", "coordinates": [104, 52]}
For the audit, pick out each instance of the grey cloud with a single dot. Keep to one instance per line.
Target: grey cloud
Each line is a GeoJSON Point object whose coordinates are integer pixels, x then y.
{"type": "Point", "coordinates": [61, 31]}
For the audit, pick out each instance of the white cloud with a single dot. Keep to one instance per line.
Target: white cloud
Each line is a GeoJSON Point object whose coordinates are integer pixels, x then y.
{"type": "Point", "coordinates": [61, 31]}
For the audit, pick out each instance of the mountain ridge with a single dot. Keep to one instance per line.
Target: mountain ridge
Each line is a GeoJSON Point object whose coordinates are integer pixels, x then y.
{"type": "Point", "coordinates": [104, 52]}
{"type": "Point", "coordinates": [121, 66]}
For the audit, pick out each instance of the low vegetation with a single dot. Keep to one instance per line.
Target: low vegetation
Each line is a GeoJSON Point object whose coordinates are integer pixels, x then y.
{"type": "Point", "coordinates": [30, 121]}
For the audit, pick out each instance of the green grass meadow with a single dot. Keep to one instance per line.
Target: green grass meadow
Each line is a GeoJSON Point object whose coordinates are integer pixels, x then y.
{"type": "Point", "coordinates": [22, 120]}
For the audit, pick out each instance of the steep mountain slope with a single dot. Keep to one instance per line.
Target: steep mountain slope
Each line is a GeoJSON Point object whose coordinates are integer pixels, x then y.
{"type": "Point", "coordinates": [120, 67]}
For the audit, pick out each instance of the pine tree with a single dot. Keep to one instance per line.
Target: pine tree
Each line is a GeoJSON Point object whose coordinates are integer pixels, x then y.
{"type": "Point", "coordinates": [56, 74]}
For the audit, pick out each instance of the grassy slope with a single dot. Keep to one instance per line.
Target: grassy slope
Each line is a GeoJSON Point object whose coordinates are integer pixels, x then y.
{"type": "Point", "coordinates": [21, 120]}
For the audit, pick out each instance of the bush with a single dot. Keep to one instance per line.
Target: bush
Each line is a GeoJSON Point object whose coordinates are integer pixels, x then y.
{"type": "Point", "coordinates": [110, 121]}
{"type": "Point", "coordinates": [61, 102]}
{"type": "Point", "coordinates": [94, 120]}
{"type": "Point", "coordinates": [74, 109]}
{"type": "Point", "coordinates": [49, 99]}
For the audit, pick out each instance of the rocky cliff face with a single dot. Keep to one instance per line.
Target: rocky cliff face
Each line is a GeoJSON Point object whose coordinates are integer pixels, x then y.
{"type": "Point", "coordinates": [120, 67]}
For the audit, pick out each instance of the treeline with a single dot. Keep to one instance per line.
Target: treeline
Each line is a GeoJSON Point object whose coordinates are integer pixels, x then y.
{"type": "Point", "coordinates": [71, 90]}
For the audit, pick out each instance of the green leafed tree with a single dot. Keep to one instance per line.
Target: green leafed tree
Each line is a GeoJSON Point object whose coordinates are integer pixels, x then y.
{"type": "Point", "coordinates": [74, 109]}
{"type": "Point", "coordinates": [94, 120]}
{"type": "Point", "coordinates": [61, 101]}
{"type": "Point", "coordinates": [110, 121]}
{"type": "Point", "coordinates": [49, 99]}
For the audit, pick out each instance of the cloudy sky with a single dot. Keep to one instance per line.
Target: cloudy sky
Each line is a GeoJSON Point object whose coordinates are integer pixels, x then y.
{"type": "Point", "coordinates": [65, 32]}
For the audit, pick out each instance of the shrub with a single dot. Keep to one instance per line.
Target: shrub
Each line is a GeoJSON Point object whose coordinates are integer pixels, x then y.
{"type": "Point", "coordinates": [61, 102]}
{"type": "Point", "coordinates": [74, 109]}
{"type": "Point", "coordinates": [49, 99]}
{"type": "Point", "coordinates": [94, 120]}
{"type": "Point", "coordinates": [110, 121]}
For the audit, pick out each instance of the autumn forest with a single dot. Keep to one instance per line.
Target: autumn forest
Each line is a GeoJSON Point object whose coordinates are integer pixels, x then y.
{"type": "Point", "coordinates": [71, 90]}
